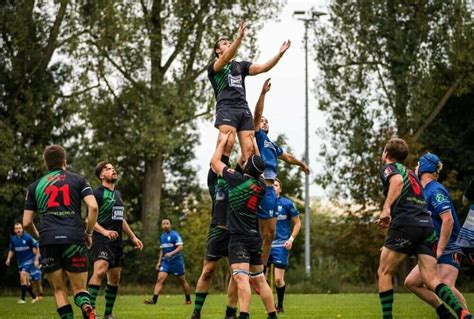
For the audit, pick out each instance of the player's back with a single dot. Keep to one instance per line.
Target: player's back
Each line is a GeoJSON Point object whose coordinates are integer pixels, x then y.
{"type": "Point", "coordinates": [57, 198]}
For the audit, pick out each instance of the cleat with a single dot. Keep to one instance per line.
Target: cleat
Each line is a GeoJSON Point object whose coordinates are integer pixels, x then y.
{"type": "Point", "coordinates": [110, 316]}
{"type": "Point", "coordinates": [35, 300]}
{"type": "Point", "coordinates": [88, 312]}
{"type": "Point", "coordinates": [465, 314]}
{"type": "Point", "coordinates": [280, 309]}
{"type": "Point", "coordinates": [21, 301]}
{"type": "Point", "coordinates": [148, 302]}
{"type": "Point", "coordinates": [196, 315]}
{"type": "Point", "coordinates": [188, 302]}
{"type": "Point", "coordinates": [230, 317]}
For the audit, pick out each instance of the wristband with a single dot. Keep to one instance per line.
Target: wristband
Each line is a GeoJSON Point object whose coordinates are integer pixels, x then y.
{"type": "Point", "coordinates": [291, 238]}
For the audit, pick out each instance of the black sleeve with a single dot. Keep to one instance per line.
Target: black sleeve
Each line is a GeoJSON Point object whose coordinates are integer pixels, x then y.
{"type": "Point", "coordinates": [210, 68]}
{"type": "Point", "coordinates": [469, 192]}
{"type": "Point", "coordinates": [86, 189]}
{"type": "Point", "coordinates": [245, 65]}
{"type": "Point", "coordinates": [98, 194]}
{"type": "Point", "coordinates": [211, 182]}
{"type": "Point", "coordinates": [232, 177]}
{"type": "Point", "coordinates": [30, 200]}
{"type": "Point", "coordinates": [388, 171]}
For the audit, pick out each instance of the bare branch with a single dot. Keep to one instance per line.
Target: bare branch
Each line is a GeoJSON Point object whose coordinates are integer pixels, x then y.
{"type": "Point", "coordinates": [78, 92]}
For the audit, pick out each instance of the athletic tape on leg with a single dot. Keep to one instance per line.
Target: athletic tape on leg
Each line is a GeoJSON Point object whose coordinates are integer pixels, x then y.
{"type": "Point", "coordinates": [236, 272]}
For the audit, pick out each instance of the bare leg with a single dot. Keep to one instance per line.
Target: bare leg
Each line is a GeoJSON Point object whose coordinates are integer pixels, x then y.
{"type": "Point", "coordinates": [267, 229]}
{"type": "Point", "coordinates": [56, 279]}
{"type": "Point", "coordinates": [231, 139]}
{"type": "Point", "coordinates": [206, 275]}
{"type": "Point", "coordinates": [265, 292]}
{"type": "Point", "coordinates": [184, 284]}
{"type": "Point", "coordinates": [159, 282]}
{"type": "Point", "coordinates": [246, 144]}
{"type": "Point", "coordinates": [243, 285]}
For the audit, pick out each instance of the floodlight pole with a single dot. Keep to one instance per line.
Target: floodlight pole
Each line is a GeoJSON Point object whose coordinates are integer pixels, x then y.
{"type": "Point", "coordinates": [313, 15]}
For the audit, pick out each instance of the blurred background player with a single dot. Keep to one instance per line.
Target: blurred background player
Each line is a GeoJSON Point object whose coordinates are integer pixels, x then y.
{"type": "Point", "coordinates": [62, 239]}
{"type": "Point", "coordinates": [246, 190]}
{"type": "Point", "coordinates": [36, 280]}
{"type": "Point", "coordinates": [26, 252]}
{"type": "Point", "coordinates": [170, 261]}
{"type": "Point", "coordinates": [107, 239]}
{"type": "Point", "coordinates": [411, 230]}
{"type": "Point", "coordinates": [227, 77]}
{"type": "Point", "coordinates": [465, 239]}
{"type": "Point", "coordinates": [283, 242]}
{"type": "Point", "coordinates": [446, 224]}
{"type": "Point", "coordinates": [216, 246]}
{"type": "Point", "coordinates": [270, 153]}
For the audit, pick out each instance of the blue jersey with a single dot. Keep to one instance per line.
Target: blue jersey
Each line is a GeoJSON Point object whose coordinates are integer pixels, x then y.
{"type": "Point", "coordinates": [269, 152]}
{"type": "Point", "coordinates": [286, 211]}
{"type": "Point", "coordinates": [438, 202]}
{"type": "Point", "coordinates": [23, 248]}
{"type": "Point", "coordinates": [169, 241]}
{"type": "Point", "coordinates": [466, 234]}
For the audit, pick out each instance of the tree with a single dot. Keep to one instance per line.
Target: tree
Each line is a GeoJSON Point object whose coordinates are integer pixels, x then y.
{"type": "Point", "coordinates": [388, 67]}
{"type": "Point", "coordinates": [148, 60]}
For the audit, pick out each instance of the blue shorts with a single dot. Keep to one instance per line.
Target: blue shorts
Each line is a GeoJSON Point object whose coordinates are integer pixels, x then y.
{"type": "Point", "coordinates": [35, 274]}
{"type": "Point", "coordinates": [279, 257]}
{"type": "Point", "coordinates": [453, 259]}
{"type": "Point", "coordinates": [26, 267]}
{"type": "Point", "coordinates": [174, 266]}
{"type": "Point", "coordinates": [267, 208]}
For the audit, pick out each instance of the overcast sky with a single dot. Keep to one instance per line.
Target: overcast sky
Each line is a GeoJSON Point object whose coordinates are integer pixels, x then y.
{"type": "Point", "coordinates": [284, 104]}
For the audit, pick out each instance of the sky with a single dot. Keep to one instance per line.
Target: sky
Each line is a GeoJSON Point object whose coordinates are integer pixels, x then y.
{"type": "Point", "coordinates": [285, 103]}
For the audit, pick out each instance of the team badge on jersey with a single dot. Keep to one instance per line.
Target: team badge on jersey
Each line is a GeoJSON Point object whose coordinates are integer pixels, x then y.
{"type": "Point", "coordinates": [387, 171]}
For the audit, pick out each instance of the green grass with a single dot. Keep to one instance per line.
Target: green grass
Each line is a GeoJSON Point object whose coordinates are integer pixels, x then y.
{"type": "Point", "coordinates": [296, 306]}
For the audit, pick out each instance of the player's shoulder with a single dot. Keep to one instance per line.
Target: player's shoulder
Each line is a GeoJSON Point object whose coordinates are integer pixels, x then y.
{"type": "Point", "coordinates": [74, 175]}
{"type": "Point", "coordinates": [285, 200]}
{"type": "Point", "coordinates": [390, 169]}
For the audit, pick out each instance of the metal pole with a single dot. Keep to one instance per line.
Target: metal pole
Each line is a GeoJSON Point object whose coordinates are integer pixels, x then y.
{"type": "Point", "coordinates": [307, 213]}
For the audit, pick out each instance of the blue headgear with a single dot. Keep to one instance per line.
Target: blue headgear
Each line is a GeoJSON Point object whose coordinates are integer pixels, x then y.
{"type": "Point", "coordinates": [429, 163]}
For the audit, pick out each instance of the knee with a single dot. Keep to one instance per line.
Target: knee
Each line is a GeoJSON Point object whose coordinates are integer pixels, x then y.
{"type": "Point", "coordinates": [100, 273]}
{"type": "Point", "coordinates": [409, 283]}
{"type": "Point", "coordinates": [207, 274]}
{"type": "Point", "coordinates": [279, 282]}
{"type": "Point", "coordinates": [385, 270]}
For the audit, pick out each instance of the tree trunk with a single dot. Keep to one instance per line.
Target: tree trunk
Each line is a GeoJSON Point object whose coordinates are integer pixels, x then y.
{"type": "Point", "coordinates": [152, 184]}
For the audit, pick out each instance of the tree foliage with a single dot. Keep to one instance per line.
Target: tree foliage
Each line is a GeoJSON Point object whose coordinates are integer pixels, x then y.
{"type": "Point", "coordinates": [388, 67]}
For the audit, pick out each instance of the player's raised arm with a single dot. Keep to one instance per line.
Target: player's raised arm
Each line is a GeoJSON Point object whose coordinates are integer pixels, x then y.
{"type": "Point", "coordinates": [216, 164]}
{"type": "Point", "coordinates": [227, 55]}
{"type": "Point", "coordinates": [291, 159]}
{"type": "Point", "coordinates": [257, 68]}
{"type": "Point", "coordinates": [257, 114]}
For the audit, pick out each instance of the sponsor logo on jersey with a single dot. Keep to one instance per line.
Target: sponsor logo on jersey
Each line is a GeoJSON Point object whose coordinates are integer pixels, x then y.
{"type": "Point", "coordinates": [235, 81]}
{"type": "Point", "coordinates": [117, 213]}
{"type": "Point", "coordinates": [268, 144]}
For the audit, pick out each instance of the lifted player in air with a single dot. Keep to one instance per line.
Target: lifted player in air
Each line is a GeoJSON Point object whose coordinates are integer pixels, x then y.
{"type": "Point", "coordinates": [246, 190]}
{"type": "Point", "coordinates": [170, 261]}
{"type": "Point", "coordinates": [63, 241]}
{"type": "Point", "coordinates": [26, 251]}
{"type": "Point", "coordinates": [107, 239]}
{"type": "Point", "coordinates": [270, 153]}
{"type": "Point", "coordinates": [411, 230]}
{"type": "Point", "coordinates": [446, 224]}
{"type": "Point", "coordinates": [283, 242]}
{"type": "Point", "coordinates": [227, 77]}
{"type": "Point", "coordinates": [217, 245]}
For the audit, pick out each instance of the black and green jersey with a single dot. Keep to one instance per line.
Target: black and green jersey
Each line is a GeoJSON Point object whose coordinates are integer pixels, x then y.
{"type": "Point", "coordinates": [57, 198]}
{"type": "Point", "coordinates": [410, 207]}
{"type": "Point", "coordinates": [229, 84]}
{"type": "Point", "coordinates": [219, 192]}
{"type": "Point", "coordinates": [245, 194]}
{"type": "Point", "coordinates": [111, 212]}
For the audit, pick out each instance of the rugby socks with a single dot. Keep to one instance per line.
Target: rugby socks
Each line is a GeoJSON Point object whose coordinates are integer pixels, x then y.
{"type": "Point", "coordinates": [446, 294]}
{"type": "Point", "coordinates": [244, 315]}
{"type": "Point", "coordinates": [199, 301]}
{"type": "Point", "coordinates": [386, 298]}
{"type": "Point", "coordinates": [230, 311]}
{"type": "Point", "coordinates": [65, 312]}
{"type": "Point", "coordinates": [23, 292]}
{"type": "Point", "coordinates": [110, 296]}
{"type": "Point", "coordinates": [281, 295]}
{"type": "Point", "coordinates": [443, 312]}
{"type": "Point", "coordinates": [188, 298]}
{"type": "Point", "coordinates": [93, 292]}
{"type": "Point", "coordinates": [155, 298]}
{"type": "Point", "coordinates": [82, 299]}
{"type": "Point", "coordinates": [30, 291]}
{"type": "Point", "coordinates": [272, 315]}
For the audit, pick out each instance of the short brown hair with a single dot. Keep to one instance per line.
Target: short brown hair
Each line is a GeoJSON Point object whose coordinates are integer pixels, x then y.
{"type": "Point", "coordinates": [216, 46]}
{"type": "Point", "coordinates": [397, 149]}
{"type": "Point", "coordinates": [99, 167]}
{"type": "Point", "coordinates": [54, 156]}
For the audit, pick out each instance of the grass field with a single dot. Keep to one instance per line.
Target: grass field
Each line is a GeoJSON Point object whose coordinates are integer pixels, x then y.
{"type": "Point", "coordinates": [296, 306]}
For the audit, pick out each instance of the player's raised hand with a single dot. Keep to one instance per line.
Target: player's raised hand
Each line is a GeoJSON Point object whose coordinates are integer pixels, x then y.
{"type": "Point", "coordinates": [137, 243]}
{"type": "Point", "coordinates": [266, 85]}
{"type": "Point", "coordinates": [285, 46]}
{"type": "Point", "coordinates": [305, 168]}
{"type": "Point", "coordinates": [242, 29]}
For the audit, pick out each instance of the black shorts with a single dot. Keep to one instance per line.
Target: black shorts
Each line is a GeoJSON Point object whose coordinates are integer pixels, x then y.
{"type": "Point", "coordinates": [240, 118]}
{"type": "Point", "coordinates": [111, 253]}
{"type": "Point", "coordinates": [217, 243]}
{"type": "Point", "coordinates": [412, 240]}
{"type": "Point", "coordinates": [70, 257]}
{"type": "Point", "coordinates": [244, 249]}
